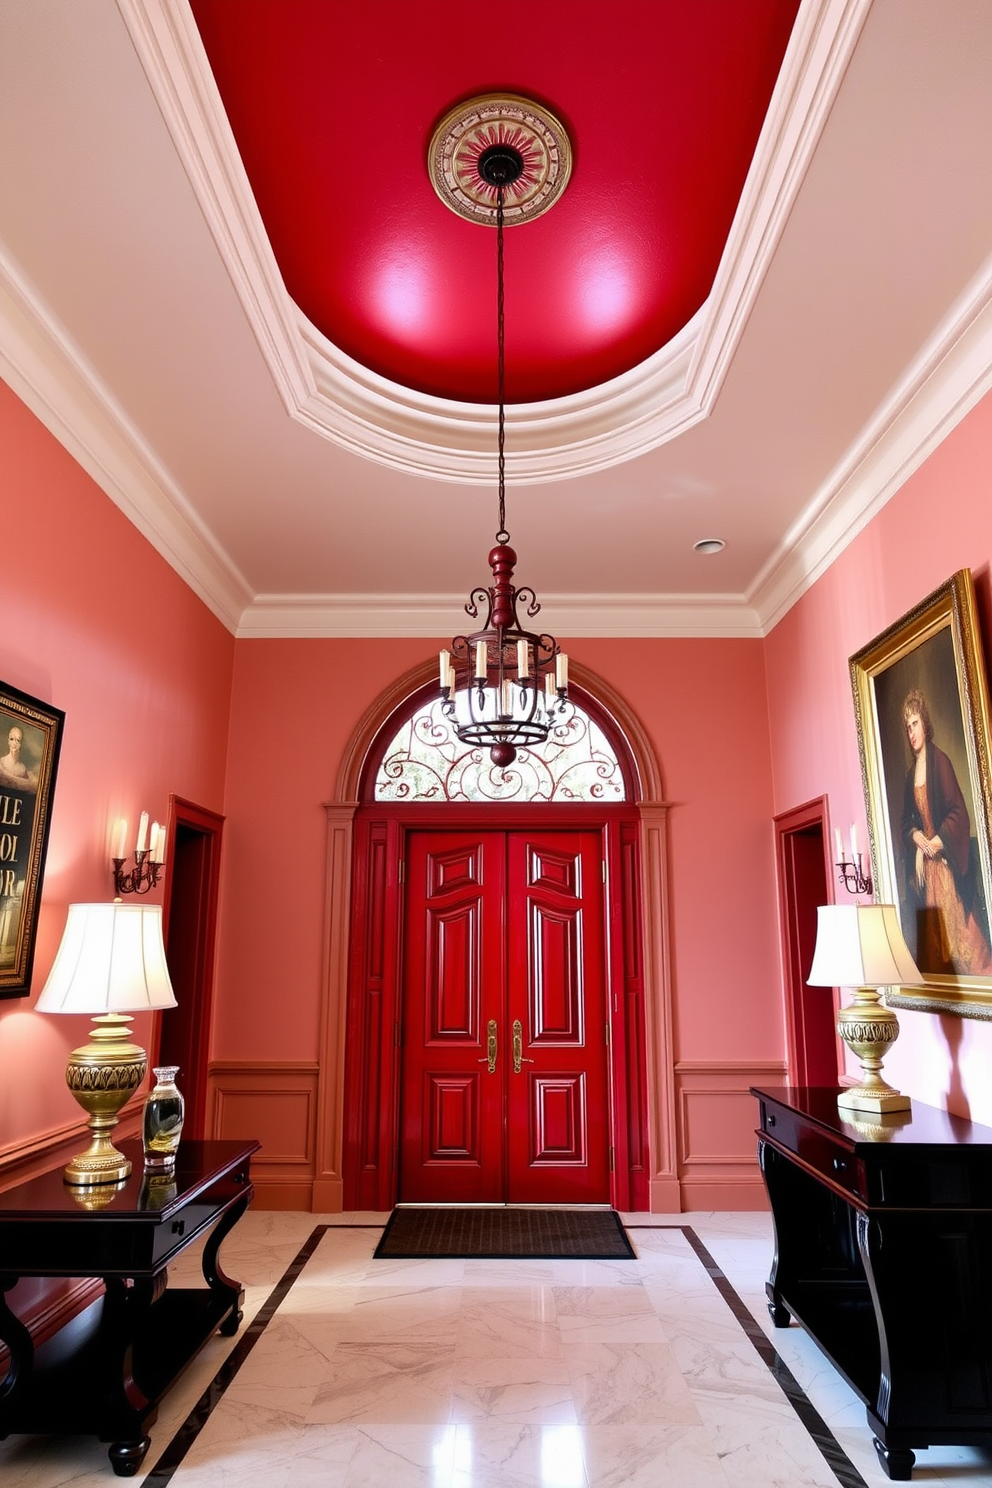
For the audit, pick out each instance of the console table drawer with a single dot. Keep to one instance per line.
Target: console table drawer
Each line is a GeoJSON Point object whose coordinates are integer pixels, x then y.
{"type": "Point", "coordinates": [822, 1152]}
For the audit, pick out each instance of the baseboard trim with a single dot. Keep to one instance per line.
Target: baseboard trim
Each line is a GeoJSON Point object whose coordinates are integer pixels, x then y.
{"type": "Point", "coordinates": [739, 1194]}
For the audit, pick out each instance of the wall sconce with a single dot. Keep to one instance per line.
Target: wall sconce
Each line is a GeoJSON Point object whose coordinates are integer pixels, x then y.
{"type": "Point", "coordinates": [851, 875]}
{"type": "Point", "coordinates": [148, 858]}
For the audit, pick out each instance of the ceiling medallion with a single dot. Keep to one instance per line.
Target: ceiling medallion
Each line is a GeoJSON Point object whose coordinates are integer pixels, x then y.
{"type": "Point", "coordinates": [471, 129]}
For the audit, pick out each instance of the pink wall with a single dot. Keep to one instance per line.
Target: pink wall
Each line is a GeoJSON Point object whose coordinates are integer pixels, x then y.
{"type": "Point", "coordinates": [99, 625]}
{"type": "Point", "coordinates": [294, 706]}
{"type": "Point", "coordinates": [940, 521]}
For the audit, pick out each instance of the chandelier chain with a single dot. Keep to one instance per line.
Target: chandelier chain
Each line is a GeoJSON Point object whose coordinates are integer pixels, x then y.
{"type": "Point", "coordinates": [502, 535]}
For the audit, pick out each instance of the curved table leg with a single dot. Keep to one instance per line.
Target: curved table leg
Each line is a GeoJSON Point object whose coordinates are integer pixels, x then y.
{"type": "Point", "coordinates": [213, 1273]}
{"type": "Point", "coordinates": [20, 1344]}
{"type": "Point", "coordinates": [18, 1340]}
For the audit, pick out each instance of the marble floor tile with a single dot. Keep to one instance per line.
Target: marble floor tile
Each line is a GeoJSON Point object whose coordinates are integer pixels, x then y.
{"type": "Point", "coordinates": [402, 1314]}
{"type": "Point", "coordinates": [527, 1391]}
{"type": "Point", "coordinates": [648, 1456]}
{"type": "Point", "coordinates": [518, 1323]}
{"type": "Point", "coordinates": [616, 1384]}
{"type": "Point", "coordinates": [385, 1383]}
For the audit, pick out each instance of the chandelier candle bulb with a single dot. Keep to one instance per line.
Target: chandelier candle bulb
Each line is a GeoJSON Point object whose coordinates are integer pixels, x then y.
{"type": "Point", "coordinates": [561, 671]}
{"type": "Point", "coordinates": [840, 844]}
{"type": "Point", "coordinates": [523, 659]}
{"type": "Point", "coordinates": [854, 843]}
{"type": "Point", "coordinates": [549, 688]}
{"type": "Point", "coordinates": [153, 843]}
{"type": "Point", "coordinates": [121, 851]}
{"type": "Point", "coordinates": [444, 668]}
{"type": "Point", "coordinates": [481, 660]}
{"type": "Point", "coordinates": [142, 841]}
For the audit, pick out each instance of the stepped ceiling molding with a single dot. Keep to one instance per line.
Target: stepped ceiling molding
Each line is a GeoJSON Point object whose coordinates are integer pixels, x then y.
{"type": "Point", "coordinates": [145, 319]}
{"type": "Point", "coordinates": [555, 438]}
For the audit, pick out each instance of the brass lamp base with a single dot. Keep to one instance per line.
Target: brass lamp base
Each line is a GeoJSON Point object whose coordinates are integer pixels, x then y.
{"type": "Point", "coordinates": [869, 1028]}
{"type": "Point", "coordinates": [102, 1076]}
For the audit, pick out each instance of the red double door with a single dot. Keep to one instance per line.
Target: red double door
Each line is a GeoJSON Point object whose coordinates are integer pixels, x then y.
{"type": "Point", "coordinates": [505, 1086]}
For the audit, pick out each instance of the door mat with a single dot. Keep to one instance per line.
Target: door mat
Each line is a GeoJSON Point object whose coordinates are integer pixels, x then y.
{"type": "Point", "coordinates": [495, 1234]}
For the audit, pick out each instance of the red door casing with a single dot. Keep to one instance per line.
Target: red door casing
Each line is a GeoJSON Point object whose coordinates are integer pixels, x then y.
{"type": "Point", "coordinates": [504, 1084]}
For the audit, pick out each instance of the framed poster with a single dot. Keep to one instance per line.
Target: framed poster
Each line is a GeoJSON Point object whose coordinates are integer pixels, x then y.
{"type": "Point", "coordinates": [921, 703]}
{"type": "Point", "coordinates": [30, 739]}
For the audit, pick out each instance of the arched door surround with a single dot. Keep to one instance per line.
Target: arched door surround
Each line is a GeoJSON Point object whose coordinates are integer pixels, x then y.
{"type": "Point", "coordinates": [364, 845]}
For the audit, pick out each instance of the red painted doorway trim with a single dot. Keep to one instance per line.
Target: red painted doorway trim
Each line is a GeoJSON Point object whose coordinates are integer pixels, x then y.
{"type": "Point", "coordinates": [639, 934]}
{"type": "Point", "coordinates": [804, 883]}
{"type": "Point", "coordinates": [189, 922]}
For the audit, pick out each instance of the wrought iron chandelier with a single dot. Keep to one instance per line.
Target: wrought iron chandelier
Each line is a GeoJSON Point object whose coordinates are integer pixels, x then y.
{"type": "Point", "coordinates": [502, 685]}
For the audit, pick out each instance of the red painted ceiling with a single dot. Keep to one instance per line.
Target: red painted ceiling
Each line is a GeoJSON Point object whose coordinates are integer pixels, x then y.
{"type": "Point", "coordinates": [333, 103]}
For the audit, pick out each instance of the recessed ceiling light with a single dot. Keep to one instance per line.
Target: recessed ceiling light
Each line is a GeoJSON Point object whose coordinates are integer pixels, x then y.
{"type": "Point", "coordinates": [709, 545]}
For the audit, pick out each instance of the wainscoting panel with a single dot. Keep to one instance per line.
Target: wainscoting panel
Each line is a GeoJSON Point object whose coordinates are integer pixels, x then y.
{"type": "Point", "coordinates": [716, 1121]}
{"type": "Point", "coordinates": [274, 1102]}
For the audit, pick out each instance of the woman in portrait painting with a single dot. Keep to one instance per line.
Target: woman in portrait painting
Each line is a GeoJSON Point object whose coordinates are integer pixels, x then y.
{"type": "Point", "coordinates": [936, 836]}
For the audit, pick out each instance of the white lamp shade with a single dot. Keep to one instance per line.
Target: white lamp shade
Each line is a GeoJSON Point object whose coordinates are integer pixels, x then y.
{"type": "Point", "coordinates": [111, 960]}
{"type": "Point", "coordinates": [861, 945]}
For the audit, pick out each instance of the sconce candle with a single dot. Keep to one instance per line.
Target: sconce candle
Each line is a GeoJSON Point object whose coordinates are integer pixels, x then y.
{"type": "Point", "coordinates": [147, 860]}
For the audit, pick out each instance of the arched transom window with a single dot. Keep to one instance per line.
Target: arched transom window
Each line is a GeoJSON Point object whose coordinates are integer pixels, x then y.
{"type": "Point", "coordinates": [425, 761]}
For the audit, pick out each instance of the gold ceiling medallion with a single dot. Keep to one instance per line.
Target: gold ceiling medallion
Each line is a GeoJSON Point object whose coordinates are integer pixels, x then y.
{"type": "Point", "coordinates": [499, 119]}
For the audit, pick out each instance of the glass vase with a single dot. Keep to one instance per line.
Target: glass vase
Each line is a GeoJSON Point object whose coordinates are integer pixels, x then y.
{"type": "Point", "coordinates": [162, 1124]}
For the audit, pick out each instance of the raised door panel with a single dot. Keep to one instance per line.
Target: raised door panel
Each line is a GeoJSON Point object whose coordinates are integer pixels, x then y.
{"type": "Point", "coordinates": [555, 973]}
{"type": "Point", "coordinates": [453, 973]}
{"type": "Point", "coordinates": [558, 1119]}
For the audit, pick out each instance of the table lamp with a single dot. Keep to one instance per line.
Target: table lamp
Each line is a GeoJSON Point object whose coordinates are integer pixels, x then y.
{"type": "Point", "coordinates": [111, 963]}
{"type": "Point", "coordinates": [862, 946]}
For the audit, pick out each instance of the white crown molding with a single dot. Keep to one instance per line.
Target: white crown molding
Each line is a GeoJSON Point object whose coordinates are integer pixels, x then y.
{"type": "Point", "coordinates": [52, 377]}
{"type": "Point", "coordinates": [951, 373]}
{"type": "Point", "coordinates": [374, 417]}
{"type": "Point", "coordinates": [330, 616]}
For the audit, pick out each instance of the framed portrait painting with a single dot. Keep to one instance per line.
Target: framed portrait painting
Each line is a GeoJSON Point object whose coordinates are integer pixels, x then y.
{"type": "Point", "coordinates": [921, 703]}
{"type": "Point", "coordinates": [30, 739]}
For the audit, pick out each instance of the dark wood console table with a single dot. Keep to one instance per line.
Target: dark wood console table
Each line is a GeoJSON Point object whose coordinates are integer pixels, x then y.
{"type": "Point", "coordinates": [107, 1369]}
{"type": "Point", "coordinates": [883, 1252]}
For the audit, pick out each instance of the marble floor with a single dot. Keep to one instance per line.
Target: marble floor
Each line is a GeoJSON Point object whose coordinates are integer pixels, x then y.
{"type": "Point", "coordinates": [513, 1374]}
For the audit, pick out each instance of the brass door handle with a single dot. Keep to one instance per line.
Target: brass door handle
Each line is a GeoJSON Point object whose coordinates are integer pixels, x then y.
{"type": "Point", "coordinates": [518, 1047]}
{"type": "Point", "coordinates": [490, 1055]}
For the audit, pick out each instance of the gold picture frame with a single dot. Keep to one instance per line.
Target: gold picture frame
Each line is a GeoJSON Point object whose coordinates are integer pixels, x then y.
{"type": "Point", "coordinates": [922, 711]}
{"type": "Point", "coordinates": [30, 740]}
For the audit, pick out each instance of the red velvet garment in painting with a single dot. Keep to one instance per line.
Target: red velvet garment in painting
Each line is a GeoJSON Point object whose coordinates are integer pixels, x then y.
{"type": "Point", "coordinates": [949, 937]}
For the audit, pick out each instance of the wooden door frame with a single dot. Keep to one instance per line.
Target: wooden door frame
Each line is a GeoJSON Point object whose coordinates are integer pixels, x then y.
{"type": "Point", "coordinates": [788, 823]}
{"type": "Point", "coordinates": [643, 936]}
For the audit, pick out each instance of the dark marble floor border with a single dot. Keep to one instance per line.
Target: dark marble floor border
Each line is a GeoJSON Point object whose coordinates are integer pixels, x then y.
{"type": "Point", "coordinates": [198, 1417]}
{"type": "Point", "coordinates": [833, 1453]}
